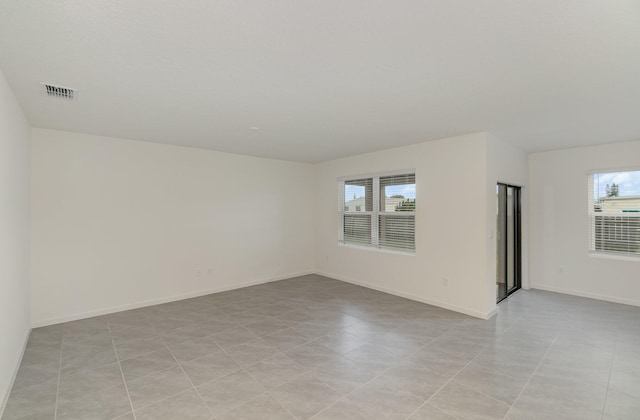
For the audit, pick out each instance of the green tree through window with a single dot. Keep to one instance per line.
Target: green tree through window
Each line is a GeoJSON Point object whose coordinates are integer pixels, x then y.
{"type": "Point", "coordinates": [406, 205]}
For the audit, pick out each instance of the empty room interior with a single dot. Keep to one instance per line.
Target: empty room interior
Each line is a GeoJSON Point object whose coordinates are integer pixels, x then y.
{"type": "Point", "coordinates": [319, 210]}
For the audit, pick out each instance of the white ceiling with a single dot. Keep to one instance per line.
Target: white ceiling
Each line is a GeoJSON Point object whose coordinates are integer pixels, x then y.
{"type": "Point", "coordinates": [331, 78]}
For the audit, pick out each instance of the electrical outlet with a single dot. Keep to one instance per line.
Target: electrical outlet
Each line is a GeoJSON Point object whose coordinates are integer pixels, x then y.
{"type": "Point", "coordinates": [210, 271]}
{"type": "Point", "coordinates": [445, 281]}
{"type": "Point", "coordinates": [198, 273]}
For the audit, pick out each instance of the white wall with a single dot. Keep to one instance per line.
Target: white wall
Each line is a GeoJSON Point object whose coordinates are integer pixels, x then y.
{"type": "Point", "coordinates": [451, 225]}
{"type": "Point", "coordinates": [14, 236]}
{"type": "Point", "coordinates": [118, 223]}
{"type": "Point", "coordinates": [559, 223]}
{"type": "Point", "coordinates": [509, 165]}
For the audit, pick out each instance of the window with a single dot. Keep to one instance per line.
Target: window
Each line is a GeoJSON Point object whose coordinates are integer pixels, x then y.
{"type": "Point", "coordinates": [614, 212]}
{"type": "Point", "coordinates": [379, 211]}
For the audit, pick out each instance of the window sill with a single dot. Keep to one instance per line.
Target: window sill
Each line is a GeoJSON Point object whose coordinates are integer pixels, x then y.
{"type": "Point", "coordinates": [373, 248]}
{"type": "Point", "coordinates": [610, 256]}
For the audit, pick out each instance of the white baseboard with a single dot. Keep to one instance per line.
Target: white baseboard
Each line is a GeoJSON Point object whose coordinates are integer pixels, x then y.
{"type": "Point", "coordinates": [443, 305]}
{"type": "Point", "coordinates": [572, 292]}
{"type": "Point", "coordinates": [3, 404]}
{"type": "Point", "coordinates": [151, 302]}
{"type": "Point", "coordinates": [492, 313]}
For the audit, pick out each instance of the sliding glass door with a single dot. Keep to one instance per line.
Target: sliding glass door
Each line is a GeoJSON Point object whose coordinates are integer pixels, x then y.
{"type": "Point", "coordinates": [508, 232]}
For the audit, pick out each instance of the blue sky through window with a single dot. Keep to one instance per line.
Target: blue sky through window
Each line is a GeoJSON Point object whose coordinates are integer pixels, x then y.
{"type": "Point", "coordinates": [351, 192]}
{"type": "Point", "coordinates": [628, 183]}
{"type": "Point", "coordinates": [357, 191]}
{"type": "Point", "coordinates": [407, 190]}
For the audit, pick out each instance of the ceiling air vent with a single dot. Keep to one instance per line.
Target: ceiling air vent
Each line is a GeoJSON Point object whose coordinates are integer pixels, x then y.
{"type": "Point", "coordinates": [59, 92]}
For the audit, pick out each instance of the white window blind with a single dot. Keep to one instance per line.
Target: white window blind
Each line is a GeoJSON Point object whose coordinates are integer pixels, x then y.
{"type": "Point", "coordinates": [614, 213]}
{"type": "Point", "coordinates": [378, 211]}
{"type": "Point", "coordinates": [397, 217]}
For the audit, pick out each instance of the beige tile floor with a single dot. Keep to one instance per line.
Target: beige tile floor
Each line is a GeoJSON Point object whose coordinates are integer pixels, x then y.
{"type": "Point", "coordinates": [313, 347]}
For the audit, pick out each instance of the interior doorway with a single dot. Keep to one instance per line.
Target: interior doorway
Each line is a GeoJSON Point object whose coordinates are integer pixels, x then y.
{"type": "Point", "coordinates": [508, 239]}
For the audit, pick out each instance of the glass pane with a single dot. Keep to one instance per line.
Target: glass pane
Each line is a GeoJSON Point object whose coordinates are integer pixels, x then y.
{"type": "Point", "coordinates": [615, 192]}
{"type": "Point", "coordinates": [358, 195]}
{"type": "Point", "coordinates": [398, 193]}
{"type": "Point", "coordinates": [617, 234]}
{"type": "Point", "coordinates": [616, 212]}
{"type": "Point", "coordinates": [397, 232]}
{"type": "Point", "coordinates": [501, 275]}
{"type": "Point", "coordinates": [357, 229]}
{"type": "Point", "coordinates": [511, 236]}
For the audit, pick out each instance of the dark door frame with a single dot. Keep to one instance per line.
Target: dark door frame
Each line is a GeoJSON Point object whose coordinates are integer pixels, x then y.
{"type": "Point", "coordinates": [517, 242]}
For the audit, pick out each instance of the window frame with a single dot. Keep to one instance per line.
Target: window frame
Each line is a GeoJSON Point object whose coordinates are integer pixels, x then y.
{"type": "Point", "coordinates": [375, 213]}
{"type": "Point", "coordinates": [592, 214]}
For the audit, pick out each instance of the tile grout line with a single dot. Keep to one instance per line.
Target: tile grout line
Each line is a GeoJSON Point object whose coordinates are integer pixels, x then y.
{"type": "Point", "coordinates": [215, 379]}
{"type": "Point", "coordinates": [402, 359]}
{"type": "Point", "coordinates": [146, 353]}
{"type": "Point", "coordinates": [606, 392]}
{"type": "Point", "coordinates": [480, 392]}
{"type": "Point", "coordinates": [126, 388]}
{"type": "Point", "coordinates": [456, 374]}
{"type": "Point", "coordinates": [108, 363]}
{"type": "Point", "coordinates": [342, 397]}
{"type": "Point", "coordinates": [163, 399]}
{"type": "Point", "coordinates": [345, 397]}
{"type": "Point", "coordinates": [55, 410]}
{"type": "Point", "coordinates": [153, 373]}
{"type": "Point", "coordinates": [166, 347]}
{"type": "Point", "coordinates": [187, 376]}
{"type": "Point", "coordinates": [497, 334]}
{"type": "Point", "coordinates": [437, 408]}
{"type": "Point", "coordinates": [443, 386]}
{"type": "Point", "coordinates": [531, 376]}
{"type": "Point", "coordinates": [266, 391]}
{"type": "Point", "coordinates": [327, 407]}
{"type": "Point", "coordinates": [312, 340]}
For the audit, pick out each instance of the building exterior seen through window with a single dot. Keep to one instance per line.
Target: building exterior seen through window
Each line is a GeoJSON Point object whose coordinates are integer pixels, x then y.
{"type": "Point", "coordinates": [614, 213]}
{"type": "Point", "coordinates": [379, 211]}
